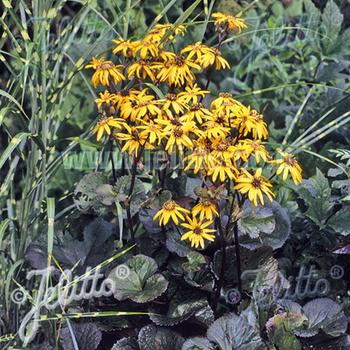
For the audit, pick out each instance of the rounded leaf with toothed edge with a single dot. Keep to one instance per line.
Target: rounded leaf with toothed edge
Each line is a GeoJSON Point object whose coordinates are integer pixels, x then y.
{"type": "Point", "coordinates": [142, 284]}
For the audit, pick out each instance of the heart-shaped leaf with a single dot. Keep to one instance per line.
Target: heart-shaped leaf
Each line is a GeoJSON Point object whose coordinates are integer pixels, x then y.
{"type": "Point", "coordinates": [139, 280]}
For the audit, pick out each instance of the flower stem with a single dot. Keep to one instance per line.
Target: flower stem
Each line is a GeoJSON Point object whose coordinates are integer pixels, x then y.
{"type": "Point", "coordinates": [238, 256]}
{"type": "Point", "coordinates": [220, 282]}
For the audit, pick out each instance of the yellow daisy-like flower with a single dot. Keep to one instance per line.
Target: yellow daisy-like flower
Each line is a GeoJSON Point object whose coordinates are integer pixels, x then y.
{"type": "Point", "coordinates": [229, 23]}
{"type": "Point", "coordinates": [256, 148]}
{"type": "Point", "coordinates": [159, 30]}
{"type": "Point", "coordinates": [133, 140]}
{"type": "Point", "coordinates": [105, 70]}
{"type": "Point", "coordinates": [220, 62]}
{"type": "Point", "coordinates": [198, 232]}
{"type": "Point", "coordinates": [178, 71]}
{"type": "Point", "coordinates": [200, 53]}
{"type": "Point", "coordinates": [214, 129]}
{"type": "Point", "coordinates": [200, 158]}
{"type": "Point", "coordinates": [175, 102]}
{"type": "Point", "coordinates": [165, 56]}
{"type": "Point", "coordinates": [255, 185]}
{"type": "Point", "coordinates": [139, 106]}
{"type": "Point", "coordinates": [223, 150]}
{"type": "Point", "coordinates": [142, 69]}
{"type": "Point", "coordinates": [152, 131]}
{"type": "Point", "coordinates": [170, 210]}
{"type": "Point", "coordinates": [206, 210]}
{"type": "Point", "coordinates": [197, 112]}
{"type": "Point", "coordinates": [95, 63]}
{"type": "Point", "coordinates": [147, 48]}
{"type": "Point", "coordinates": [125, 47]}
{"type": "Point", "coordinates": [250, 121]}
{"type": "Point", "coordinates": [193, 94]}
{"type": "Point", "coordinates": [105, 98]}
{"type": "Point", "coordinates": [289, 165]}
{"type": "Point", "coordinates": [123, 96]}
{"type": "Point", "coordinates": [226, 104]}
{"type": "Point", "coordinates": [178, 136]}
{"type": "Point", "coordinates": [223, 170]}
{"type": "Point", "coordinates": [105, 124]}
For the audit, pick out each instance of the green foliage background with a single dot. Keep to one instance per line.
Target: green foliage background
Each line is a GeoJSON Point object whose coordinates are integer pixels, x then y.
{"type": "Point", "coordinates": [292, 63]}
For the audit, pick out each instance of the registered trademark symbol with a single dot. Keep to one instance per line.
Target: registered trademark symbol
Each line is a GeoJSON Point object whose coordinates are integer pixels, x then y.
{"type": "Point", "coordinates": [233, 296]}
{"type": "Point", "coordinates": [337, 272]}
{"type": "Point", "coordinates": [122, 271]}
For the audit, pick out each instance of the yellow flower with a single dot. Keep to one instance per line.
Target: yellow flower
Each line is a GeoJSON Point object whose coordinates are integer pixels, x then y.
{"type": "Point", "coordinates": [147, 48]}
{"type": "Point", "coordinates": [197, 112]}
{"type": "Point", "coordinates": [165, 56]}
{"type": "Point", "coordinates": [251, 121]}
{"type": "Point", "coordinates": [104, 70]}
{"type": "Point", "coordinates": [125, 47]}
{"type": "Point", "coordinates": [223, 170]}
{"type": "Point", "coordinates": [289, 165]}
{"type": "Point", "coordinates": [178, 71]}
{"type": "Point", "coordinates": [200, 53]}
{"type": "Point", "coordinates": [193, 94]}
{"type": "Point", "coordinates": [133, 140]}
{"type": "Point", "coordinates": [256, 148]}
{"type": "Point", "coordinates": [206, 210]}
{"type": "Point", "coordinates": [214, 129]}
{"type": "Point", "coordinates": [175, 102]}
{"type": "Point", "coordinates": [255, 185]}
{"type": "Point", "coordinates": [170, 210]}
{"type": "Point", "coordinates": [200, 157]}
{"type": "Point", "coordinates": [198, 232]}
{"type": "Point", "coordinates": [178, 136]}
{"type": "Point", "coordinates": [105, 124]}
{"type": "Point", "coordinates": [95, 63]}
{"type": "Point", "coordinates": [229, 23]}
{"type": "Point", "coordinates": [152, 131]}
{"type": "Point", "coordinates": [159, 30]}
{"type": "Point", "coordinates": [139, 106]}
{"type": "Point", "coordinates": [123, 96]}
{"type": "Point", "coordinates": [226, 104]}
{"type": "Point", "coordinates": [222, 150]}
{"type": "Point", "coordinates": [220, 62]}
{"type": "Point", "coordinates": [105, 98]}
{"type": "Point", "coordinates": [142, 69]}
{"type": "Point", "coordinates": [242, 152]}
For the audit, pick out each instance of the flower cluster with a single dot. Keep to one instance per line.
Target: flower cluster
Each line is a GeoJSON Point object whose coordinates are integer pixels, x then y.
{"type": "Point", "coordinates": [154, 101]}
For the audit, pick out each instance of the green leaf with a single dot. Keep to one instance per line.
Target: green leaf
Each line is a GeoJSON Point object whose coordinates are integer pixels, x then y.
{"type": "Point", "coordinates": [142, 283]}
{"type": "Point", "coordinates": [12, 146]}
{"type": "Point", "coordinates": [316, 193]}
{"type": "Point", "coordinates": [198, 344]}
{"type": "Point", "coordinates": [280, 329]}
{"type": "Point", "coordinates": [157, 338]}
{"type": "Point", "coordinates": [234, 332]}
{"type": "Point", "coordinates": [87, 336]}
{"type": "Point", "coordinates": [175, 245]}
{"type": "Point", "coordinates": [121, 190]}
{"type": "Point", "coordinates": [256, 220]}
{"type": "Point", "coordinates": [313, 13]}
{"type": "Point", "coordinates": [326, 315]}
{"type": "Point", "coordinates": [85, 195]}
{"type": "Point", "coordinates": [106, 194]}
{"type": "Point", "coordinates": [195, 261]}
{"type": "Point", "coordinates": [97, 244]}
{"type": "Point", "coordinates": [339, 222]}
{"type": "Point", "coordinates": [179, 311]}
{"type": "Point", "coordinates": [126, 344]}
{"type": "Point", "coordinates": [268, 286]}
{"type": "Point", "coordinates": [281, 227]}
{"type": "Point", "coordinates": [332, 20]}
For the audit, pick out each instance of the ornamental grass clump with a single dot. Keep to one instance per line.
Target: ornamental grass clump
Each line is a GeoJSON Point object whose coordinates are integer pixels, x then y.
{"type": "Point", "coordinates": [153, 99]}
